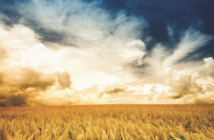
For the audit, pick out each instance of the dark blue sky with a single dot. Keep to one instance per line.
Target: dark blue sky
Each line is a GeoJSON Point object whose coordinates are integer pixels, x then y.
{"type": "Point", "coordinates": [180, 14]}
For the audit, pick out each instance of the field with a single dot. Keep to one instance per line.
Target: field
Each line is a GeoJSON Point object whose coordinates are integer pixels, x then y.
{"type": "Point", "coordinates": [103, 122]}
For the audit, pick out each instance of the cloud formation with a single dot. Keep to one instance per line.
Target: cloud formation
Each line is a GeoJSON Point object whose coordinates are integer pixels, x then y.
{"type": "Point", "coordinates": [73, 22]}
{"type": "Point", "coordinates": [25, 71]}
{"type": "Point", "coordinates": [64, 80]}
{"type": "Point", "coordinates": [77, 52]}
{"type": "Point", "coordinates": [20, 85]}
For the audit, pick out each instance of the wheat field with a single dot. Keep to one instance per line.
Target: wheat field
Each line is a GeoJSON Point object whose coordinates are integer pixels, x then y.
{"type": "Point", "coordinates": [108, 122]}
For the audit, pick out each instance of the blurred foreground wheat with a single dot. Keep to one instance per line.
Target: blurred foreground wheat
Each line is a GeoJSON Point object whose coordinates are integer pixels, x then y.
{"type": "Point", "coordinates": [103, 122]}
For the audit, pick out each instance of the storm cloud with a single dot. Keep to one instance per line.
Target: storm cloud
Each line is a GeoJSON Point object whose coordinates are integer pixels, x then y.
{"type": "Point", "coordinates": [19, 88]}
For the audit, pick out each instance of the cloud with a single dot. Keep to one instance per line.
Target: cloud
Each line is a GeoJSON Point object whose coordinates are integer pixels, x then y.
{"type": "Point", "coordinates": [190, 42]}
{"type": "Point", "coordinates": [209, 100]}
{"type": "Point", "coordinates": [183, 83]}
{"type": "Point", "coordinates": [64, 79]}
{"type": "Point", "coordinates": [183, 77]}
{"type": "Point", "coordinates": [79, 52]}
{"type": "Point", "coordinates": [73, 22]}
{"type": "Point", "coordinates": [25, 51]}
{"type": "Point", "coordinates": [209, 66]}
{"type": "Point", "coordinates": [2, 54]}
{"type": "Point", "coordinates": [26, 67]}
{"type": "Point", "coordinates": [112, 90]}
{"type": "Point", "coordinates": [194, 81]}
{"type": "Point", "coordinates": [24, 84]}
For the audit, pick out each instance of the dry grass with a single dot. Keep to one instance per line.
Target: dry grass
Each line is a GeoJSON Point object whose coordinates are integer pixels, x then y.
{"type": "Point", "coordinates": [127, 122]}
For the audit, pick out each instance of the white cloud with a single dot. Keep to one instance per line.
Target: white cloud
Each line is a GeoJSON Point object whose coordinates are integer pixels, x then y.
{"type": "Point", "coordinates": [190, 42]}
{"type": "Point", "coordinates": [76, 26]}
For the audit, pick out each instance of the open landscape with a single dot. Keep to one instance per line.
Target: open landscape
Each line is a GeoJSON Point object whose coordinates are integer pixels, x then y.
{"type": "Point", "coordinates": [106, 70]}
{"type": "Point", "coordinates": [104, 122]}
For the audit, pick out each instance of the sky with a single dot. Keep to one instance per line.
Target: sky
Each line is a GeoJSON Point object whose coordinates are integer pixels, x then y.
{"type": "Point", "coordinates": [65, 52]}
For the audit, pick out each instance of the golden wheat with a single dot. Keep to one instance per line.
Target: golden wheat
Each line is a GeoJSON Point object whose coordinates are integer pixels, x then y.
{"type": "Point", "coordinates": [103, 122]}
